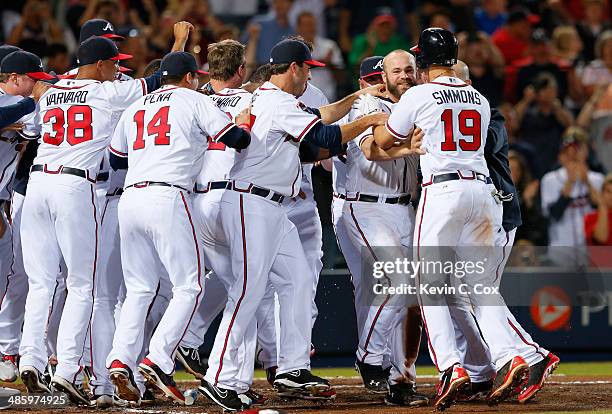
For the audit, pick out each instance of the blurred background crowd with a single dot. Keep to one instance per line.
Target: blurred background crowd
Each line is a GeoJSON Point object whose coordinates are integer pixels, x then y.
{"type": "Point", "coordinates": [546, 64]}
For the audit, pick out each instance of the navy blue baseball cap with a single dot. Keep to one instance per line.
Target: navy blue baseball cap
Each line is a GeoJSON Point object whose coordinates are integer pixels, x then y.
{"type": "Point", "coordinates": [179, 64]}
{"type": "Point", "coordinates": [288, 51]}
{"type": "Point", "coordinates": [371, 66]}
{"type": "Point", "coordinates": [98, 48]}
{"type": "Point", "coordinates": [6, 50]}
{"type": "Point", "coordinates": [24, 63]}
{"type": "Point", "coordinates": [98, 27]}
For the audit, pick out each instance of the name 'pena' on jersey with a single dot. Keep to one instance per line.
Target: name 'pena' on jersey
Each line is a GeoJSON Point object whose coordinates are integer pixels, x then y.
{"type": "Point", "coordinates": [454, 118]}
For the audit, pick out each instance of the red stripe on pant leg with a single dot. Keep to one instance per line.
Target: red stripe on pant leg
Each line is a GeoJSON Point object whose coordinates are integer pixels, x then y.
{"type": "Point", "coordinates": [197, 249]}
{"type": "Point", "coordinates": [503, 257]}
{"type": "Point", "coordinates": [244, 286]}
{"type": "Point", "coordinates": [431, 348]}
{"type": "Point", "coordinates": [380, 308]}
{"type": "Point", "coordinates": [537, 349]}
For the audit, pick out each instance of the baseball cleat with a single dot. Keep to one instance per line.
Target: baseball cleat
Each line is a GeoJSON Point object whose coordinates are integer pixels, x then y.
{"type": "Point", "coordinates": [125, 386]}
{"type": "Point", "coordinates": [101, 401]}
{"type": "Point", "coordinates": [271, 375]}
{"type": "Point", "coordinates": [475, 391]}
{"type": "Point", "coordinates": [374, 377]}
{"type": "Point", "coordinates": [161, 380]}
{"type": "Point", "coordinates": [302, 384]}
{"type": "Point", "coordinates": [405, 394]}
{"type": "Point", "coordinates": [190, 359]}
{"type": "Point", "coordinates": [453, 380]}
{"type": "Point", "coordinates": [148, 397]}
{"type": "Point", "coordinates": [8, 368]}
{"type": "Point", "coordinates": [33, 380]}
{"type": "Point", "coordinates": [507, 379]}
{"type": "Point", "coordinates": [538, 373]}
{"type": "Point", "coordinates": [75, 392]}
{"type": "Point", "coordinates": [252, 398]}
{"type": "Point", "coordinates": [225, 398]}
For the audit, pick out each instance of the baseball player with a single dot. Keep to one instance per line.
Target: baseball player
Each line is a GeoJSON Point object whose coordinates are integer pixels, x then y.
{"type": "Point", "coordinates": [19, 72]}
{"type": "Point", "coordinates": [264, 244]}
{"type": "Point", "coordinates": [61, 212]}
{"type": "Point", "coordinates": [377, 212]}
{"type": "Point", "coordinates": [541, 362]}
{"type": "Point", "coordinates": [162, 166]}
{"type": "Point", "coordinates": [452, 116]}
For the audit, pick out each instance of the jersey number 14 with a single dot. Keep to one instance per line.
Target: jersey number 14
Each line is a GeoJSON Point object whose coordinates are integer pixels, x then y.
{"type": "Point", "coordinates": [158, 126]}
{"type": "Point", "coordinates": [472, 130]}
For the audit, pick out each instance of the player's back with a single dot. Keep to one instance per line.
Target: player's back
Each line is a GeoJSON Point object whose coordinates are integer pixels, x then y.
{"type": "Point", "coordinates": [219, 158]}
{"type": "Point", "coordinates": [78, 118]}
{"type": "Point", "coordinates": [164, 135]}
{"type": "Point", "coordinates": [454, 118]}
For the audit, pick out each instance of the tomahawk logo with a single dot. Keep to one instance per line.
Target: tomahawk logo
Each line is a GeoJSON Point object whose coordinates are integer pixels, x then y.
{"type": "Point", "coordinates": [108, 27]}
{"type": "Point", "coordinates": [379, 65]}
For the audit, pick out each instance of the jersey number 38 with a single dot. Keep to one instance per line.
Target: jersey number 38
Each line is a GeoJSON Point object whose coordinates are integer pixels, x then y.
{"type": "Point", "coordinates": [469, 126]}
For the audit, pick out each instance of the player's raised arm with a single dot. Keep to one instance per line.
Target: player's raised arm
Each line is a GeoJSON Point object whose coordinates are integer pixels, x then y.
{"type": "Point", "coordinates": [335, 111]}
{"type": "Point", "coordinates": [181, 35]}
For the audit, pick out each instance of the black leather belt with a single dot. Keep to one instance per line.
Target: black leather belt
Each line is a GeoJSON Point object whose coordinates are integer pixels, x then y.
{"type": "Point", "coordinates": [63, 170]}
{"type": "Point", "coordinates": [436, 179]}
{"type": "Point", "coordinates": [340, 195]}
{"type": "Point", "coordinates": [260, 191]}
{"type": "Point", "coordinates": [102, 177]}
{"type": "Point", "coordinates": [405, 199]}
{"type": "Point", "coordinates": [144, 184]}
{"type": "Point", "coordinates": [212, 185]}
{"type": "Point", "coordinates": [117, 192]}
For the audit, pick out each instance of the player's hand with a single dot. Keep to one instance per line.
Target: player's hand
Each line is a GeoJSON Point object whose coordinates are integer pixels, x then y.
{"type": "Point", "coordinates": [376, 119]}
{"type": "Point", "coordinates": [17, 126]}
{"type": "Point", "coordinates": [39, 88]}
{"type": "Point", "coordinates": [244, 117]}
{"type": "Point", "coordinates": [254, 30]}
{"type": "Point", "coordinates": [182, 30]}
{"type": "Point", "coordinates": [374, 90]}
{"type": "Point", "coordinates": [416, 141]}
{"type": "Point", "coordinates": [367, 104]}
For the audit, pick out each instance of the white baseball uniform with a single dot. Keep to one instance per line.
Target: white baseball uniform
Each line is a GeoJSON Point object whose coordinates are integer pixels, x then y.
{"type": "Point", "coordinates": [61, 212]}
{"type": "Point", "coordinates": [162, 166]}
{"type": "Point", "coordinates": [454, 118]}
{"type": "Point", "coordinates": [377, 223]}
{"type": "Point", "coordinates": [264, 244]}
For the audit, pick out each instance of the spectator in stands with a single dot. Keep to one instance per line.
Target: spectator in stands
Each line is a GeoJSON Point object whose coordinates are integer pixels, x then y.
{"type": "Point", "coordinates": [567, 45]}
{"type": "Point", "coordinates": [594, 24]}
{"type": "Point", "coordinates": [540, 60]}
{"type": "Point", "coordinates": [135, 44]}
{"type": "Point", "coordinates": [534, 227]}
{"type": "Point", "coordinates": [36, 29]}
{"type": "Point", "coordinates": [316, 8]}
{"type": "Point", "coordinates": [542, 120]}
{"type": "Point", "coordinates": [380, 39]}
{"type": "Point", "coordinates": [486, 65]}
{"type": "Point", "coordinates": [599, 71]}
{"type": "Point", "coordinates": [512, 39]}
{"type": "Point", "coordinates": [110, 10]}
{"type": "Point", "coordinates": [58, 59]}
{"type": "Point", "coordinates": [596, 117]}
{"type": "Point", "coordinates": [598, 224]}
{"type": "Point", "coordinates": [568, 194]}
{"type": "Point", "coordinates": [491, 15]}
{"type": "Point", "coordinates": [269, 29]}
{"type": "Point", "coordinates": [441, 19]}
{"type": "Point", "coordinates": [324, 50]}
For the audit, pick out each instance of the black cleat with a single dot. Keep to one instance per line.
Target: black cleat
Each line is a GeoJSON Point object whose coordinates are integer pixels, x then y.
{"type": "Point", "coordinates": [190, 359]}
{"type": "Point", "coordinates": [405, 394]}
{"type": "Point", "coordinates": [475, 391]}
{"type": "Point", "coordinates": [33, 380]}
{"type": "Point", "coordinates": [226, 399]}
{"type": "Point", "coordinates": [453, 380]}
{"type": "Point", "coordinates": [75, 392]}
{"type": "Point", "coordinates": [374, 377]}
{"type": "Point", "coordinates": [507, 379]}
{"type": "Point", "coordinates": [148, 397]}
{"type": "Point", "coordinates": [271, 375]}
{"type": "Point", "coordinates": [302, 384]}
{"type": "Point", "coordinates": [161, 380]}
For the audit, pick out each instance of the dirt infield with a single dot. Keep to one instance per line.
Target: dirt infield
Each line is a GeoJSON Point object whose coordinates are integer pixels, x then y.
{"type": "Point", "coordinates": [562, 393]}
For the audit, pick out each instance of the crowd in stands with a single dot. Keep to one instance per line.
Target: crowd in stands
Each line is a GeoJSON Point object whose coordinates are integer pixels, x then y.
{"type": "Point", "coordinates": [546, 64]}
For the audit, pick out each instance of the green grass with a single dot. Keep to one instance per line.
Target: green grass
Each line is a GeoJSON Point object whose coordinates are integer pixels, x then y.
{"type": "Point", "coordinates": [569, 368]}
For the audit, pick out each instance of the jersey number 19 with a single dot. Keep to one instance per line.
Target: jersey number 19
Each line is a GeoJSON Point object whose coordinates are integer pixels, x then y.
{"type": "Point", "coordinates": [466, 129]}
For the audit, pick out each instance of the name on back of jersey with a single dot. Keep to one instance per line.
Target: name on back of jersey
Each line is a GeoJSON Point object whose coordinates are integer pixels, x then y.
{"type": "Point", "coordinates": [446, 96]}
{"type": "Point", "coordinates": [69, 97]}
{"type": "Point", "coordinates": [226, 101]}
{"type": "Point", "coordinates": [157, 97]}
